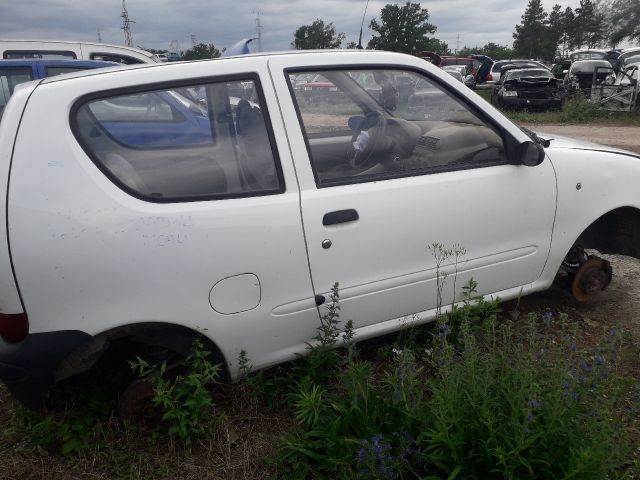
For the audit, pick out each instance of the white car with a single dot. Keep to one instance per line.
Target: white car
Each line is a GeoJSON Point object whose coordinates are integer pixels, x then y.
{"type": "Point", "coordinates": [65, 50]}
{"type": "Point", "coordinates": [132, 214]}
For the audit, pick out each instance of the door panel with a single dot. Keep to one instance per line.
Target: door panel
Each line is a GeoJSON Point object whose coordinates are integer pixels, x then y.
{"type": "Point", "coordinates": [437, 173]}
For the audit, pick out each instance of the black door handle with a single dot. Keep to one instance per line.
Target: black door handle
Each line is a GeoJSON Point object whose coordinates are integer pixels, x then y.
{"type": "Point", "coordinates": [340, 216]}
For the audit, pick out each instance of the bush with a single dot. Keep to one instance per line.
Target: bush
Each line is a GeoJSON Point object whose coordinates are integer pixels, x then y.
{"type": "Point", "coordinates": [497, 403]}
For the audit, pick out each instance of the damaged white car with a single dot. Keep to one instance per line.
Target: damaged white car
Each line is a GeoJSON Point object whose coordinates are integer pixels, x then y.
{"type": "Point", "coordinates": [135, 213]}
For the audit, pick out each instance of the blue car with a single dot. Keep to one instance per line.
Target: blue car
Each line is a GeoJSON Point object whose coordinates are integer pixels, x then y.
{"type": "Point", "coordinates": [15, 72]}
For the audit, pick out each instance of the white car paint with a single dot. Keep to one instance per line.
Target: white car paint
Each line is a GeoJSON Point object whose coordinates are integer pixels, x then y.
{"type": "Point", "coordinates": [244, 271]}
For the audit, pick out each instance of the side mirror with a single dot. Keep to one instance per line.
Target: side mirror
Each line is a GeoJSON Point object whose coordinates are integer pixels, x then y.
{"type": "Point", "coordinates": [531, 154]}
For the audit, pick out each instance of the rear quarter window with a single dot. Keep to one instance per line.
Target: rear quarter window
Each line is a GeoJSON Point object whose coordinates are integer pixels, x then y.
{"type": "Point", "coordinates": [187, 143]}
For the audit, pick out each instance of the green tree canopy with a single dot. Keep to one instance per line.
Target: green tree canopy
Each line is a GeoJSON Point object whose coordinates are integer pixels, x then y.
{"type": "Point", "coordinates": [402, 29]}
{"type": "Point", "coordinates": [318, 35]}
{"type": "Point", "coordinates": [491, 49]}
{"type": "Point", "coordinates": [201, 51]}
{"type": "Point", "coordinates": [624, 20]}
{"type": "Point", "coordinates": [529, 35]}
{"type": "Point", "coordinates": [591, 23]}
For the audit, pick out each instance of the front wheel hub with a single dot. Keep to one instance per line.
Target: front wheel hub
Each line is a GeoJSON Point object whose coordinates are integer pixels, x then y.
{"type": "Point", "coordinates": [591, 277]}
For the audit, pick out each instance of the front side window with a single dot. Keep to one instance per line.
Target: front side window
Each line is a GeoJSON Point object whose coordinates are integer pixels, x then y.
{"type": "Point", "coordinates": [185, 143]}
{"type": "Point", "coordinates": [366, 125]}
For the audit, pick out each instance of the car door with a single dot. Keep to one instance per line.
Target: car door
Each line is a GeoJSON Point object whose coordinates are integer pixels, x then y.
{"type": "Point", "coordinates": [435, 177]}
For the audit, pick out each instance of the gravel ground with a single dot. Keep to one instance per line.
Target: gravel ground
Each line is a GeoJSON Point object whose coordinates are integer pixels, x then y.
{"type": "Point", "coordinates": [627, 138]}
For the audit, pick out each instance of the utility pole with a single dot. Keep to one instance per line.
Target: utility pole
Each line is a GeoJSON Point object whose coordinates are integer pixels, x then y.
{"type": "Point", "coordinates": [99, 36]}
{"type": "Point", "coordinates": [193, 40]}
{"type": "Point", "coordinates": [126, 25]}
{"type": "Point", "coordinates": [259, 29]}
{"type": "Point", "coordinates": [458, 44]}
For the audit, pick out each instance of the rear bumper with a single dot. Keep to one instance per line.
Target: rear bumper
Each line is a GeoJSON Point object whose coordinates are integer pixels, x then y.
{"type": "Point", "coordinates": [27, 367]}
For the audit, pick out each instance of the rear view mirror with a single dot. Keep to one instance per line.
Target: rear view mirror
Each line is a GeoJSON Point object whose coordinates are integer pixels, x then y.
{"type": "Point", "coordinates": [531, 154]}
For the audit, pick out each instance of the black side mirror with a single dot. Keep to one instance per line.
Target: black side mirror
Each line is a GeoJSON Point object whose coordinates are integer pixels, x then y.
{"type": "Point", "coordinates": [531, 154]}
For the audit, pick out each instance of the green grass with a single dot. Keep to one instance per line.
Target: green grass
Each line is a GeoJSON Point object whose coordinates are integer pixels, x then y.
{"type": "Point", "coordinates": [471, 396]}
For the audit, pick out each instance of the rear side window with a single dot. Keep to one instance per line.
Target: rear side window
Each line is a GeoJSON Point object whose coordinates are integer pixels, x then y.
{"type": "Point", "coordinates": [197, 142]}
{"type": "Point", "coordinates": [9, 78]}
{"type": "Point", "coordinates": [39, 54]}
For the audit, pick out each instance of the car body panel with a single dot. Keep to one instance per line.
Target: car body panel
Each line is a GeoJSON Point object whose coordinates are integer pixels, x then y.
{"type": "Point", "coordinates": [249, 272]}
{"type": "Point", "coordinates": [113, 239]}
{"type": "Point", "coordinates": [381, 261]}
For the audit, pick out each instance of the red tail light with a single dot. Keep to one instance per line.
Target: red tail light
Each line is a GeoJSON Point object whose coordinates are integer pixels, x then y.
{"type": "Point", "coordinates": [14, 328]}
{"type": "Point", "coordinates": [489, 78]}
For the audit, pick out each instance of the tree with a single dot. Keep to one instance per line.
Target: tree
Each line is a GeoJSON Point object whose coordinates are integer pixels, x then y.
{"type": "Point", "coordinates": [201, 51]}
{"type": "Point", "coordinates": [554, 33]}
{"type": "Point", "coordinates": [529, 34]}
{"type": "Point", "coordinates": [625, 20]}
{"type": "Point", "coordinates": [591, 24]}
{"type": "Point", "coordinates": [572, 34]}
{"type": "Point", "coordinates": [318, 35]}
{"type": "Point", "coordinates": [493, 50]}
{"type": "Point", "coordinates": [402, 29]}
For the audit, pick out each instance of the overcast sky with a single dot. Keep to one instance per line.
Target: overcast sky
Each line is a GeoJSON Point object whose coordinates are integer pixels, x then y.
{"type": "Point", "coordinates": [224, 22]}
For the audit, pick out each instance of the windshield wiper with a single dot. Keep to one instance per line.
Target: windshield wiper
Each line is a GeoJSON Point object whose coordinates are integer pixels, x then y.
{"type": "Point", "coordinates": [542, 141]}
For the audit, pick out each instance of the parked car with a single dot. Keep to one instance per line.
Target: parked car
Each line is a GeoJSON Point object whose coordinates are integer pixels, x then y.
{"type": "Point", "coordinates": [15, 72]}
{"type": "Point", "coordinates": [446, 60]}
{"type": "Point", "coordinates": [561, 68]}
{"type": "Point", "coordinates": [237, 239]}
{"type": "Point", "coordinates": [498, 65]}
{"type": "Point", "coordinates": [65, 50]}
{"type": "Point", "coordinates": [464, 72]}
{"type": "Point", "coordinates": [588, 54]}
{"type": "Point", "coordinates": [527, 87]}
{"type": "Point", "coordinates": [584, 73]}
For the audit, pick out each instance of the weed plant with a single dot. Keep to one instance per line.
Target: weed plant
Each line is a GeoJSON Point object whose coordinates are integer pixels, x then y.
{"type": "Point", "coordinates": [481, 400]}
{"type": "Point", "coordinates": [185, 398]}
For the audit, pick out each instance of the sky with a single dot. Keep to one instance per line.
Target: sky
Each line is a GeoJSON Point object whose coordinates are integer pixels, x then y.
{"type": "Point", "coordinates": [224, 22]}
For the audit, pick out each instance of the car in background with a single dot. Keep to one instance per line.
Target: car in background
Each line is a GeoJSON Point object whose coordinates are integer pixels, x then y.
{"type": "Point", "coordinates": [464, 72]}
{"type": "Point", "coordinates": [15, 72]}
{"type": "Point", "coordinates": [498, 65]}
{"type": "Point", "coordinates": [64, 50]}
{"type": "Point", "coordinates": [561, 68]}
{"type": "Point", "coordinates": [588, 54]}
{"type": "Point", "coordinates": [446, 60]}
{"type": "Point", "coordinates": [162, 57]}
{"type": "Point", "coordinates": [583, 74]}
{"type": "Point", "coordinates": [527, 88]}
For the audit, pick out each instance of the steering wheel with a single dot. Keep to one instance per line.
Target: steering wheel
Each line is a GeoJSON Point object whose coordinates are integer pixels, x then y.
{"type": "Point", "coordinates": [376, 126]}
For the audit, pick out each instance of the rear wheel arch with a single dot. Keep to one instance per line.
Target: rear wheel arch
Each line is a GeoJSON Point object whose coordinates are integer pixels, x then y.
{"type": "Point", "coordinates": [149, 338]}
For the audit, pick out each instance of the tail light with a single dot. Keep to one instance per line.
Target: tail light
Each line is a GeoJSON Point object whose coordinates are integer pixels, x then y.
{"type": "Point", "coordinates": [489, 78]}
{"type": "Point", "coordinates": [14, 328]}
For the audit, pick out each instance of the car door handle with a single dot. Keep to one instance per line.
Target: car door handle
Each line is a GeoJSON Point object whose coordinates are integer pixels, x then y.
{"type": "Point", "coordinates": [340, 216]}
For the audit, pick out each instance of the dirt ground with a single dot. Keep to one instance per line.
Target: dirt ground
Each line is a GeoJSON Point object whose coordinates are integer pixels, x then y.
{"type": "Point", "coordinates": [627, 138]}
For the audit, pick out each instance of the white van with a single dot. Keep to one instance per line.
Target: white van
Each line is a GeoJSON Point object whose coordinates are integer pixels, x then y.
{"type": "Point", "coordinates": [63, 50]}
